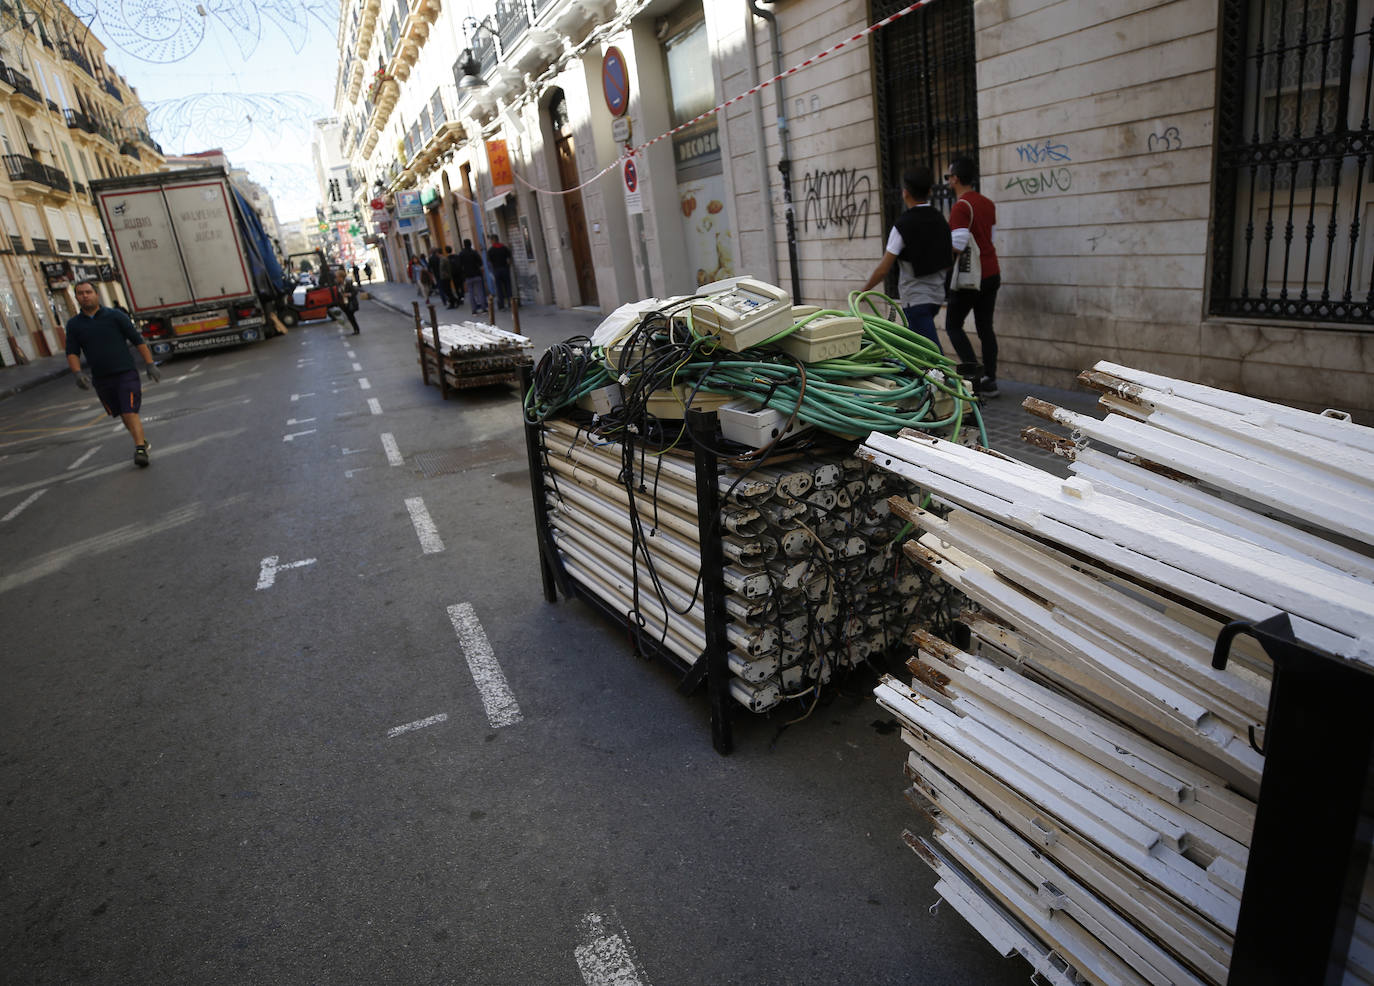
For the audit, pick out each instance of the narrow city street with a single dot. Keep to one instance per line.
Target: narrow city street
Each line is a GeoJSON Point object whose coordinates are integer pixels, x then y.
{"type": "Point", "coordinates": [289, 707]}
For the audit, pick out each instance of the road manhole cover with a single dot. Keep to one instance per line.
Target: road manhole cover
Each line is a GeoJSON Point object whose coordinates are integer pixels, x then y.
{"type": "Point", "coordinates": [443, 462]}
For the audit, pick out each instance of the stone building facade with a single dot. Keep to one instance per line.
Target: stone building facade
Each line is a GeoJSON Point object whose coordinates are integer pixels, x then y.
{"type": "Point", "coordinates": [1180, 185]}
{"type": "Point", "coordinates": [66, 118]}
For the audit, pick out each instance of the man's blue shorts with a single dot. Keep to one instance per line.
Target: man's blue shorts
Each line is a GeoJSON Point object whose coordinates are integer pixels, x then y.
{"type": "Point", "coordinates": [121, 393]}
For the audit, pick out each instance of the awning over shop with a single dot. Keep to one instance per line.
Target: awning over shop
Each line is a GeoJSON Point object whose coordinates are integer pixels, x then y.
{"type": "Point", "coordinates": [500, 201]}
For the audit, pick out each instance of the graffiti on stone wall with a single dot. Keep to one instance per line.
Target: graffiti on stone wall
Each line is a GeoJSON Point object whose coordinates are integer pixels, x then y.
{"type": "Point", "coordinates": [1042, 152]}
{"type": "Point", "coordinates": [1170, 139]}
{"type": "Point", "coordinates": [837, 199]}
{"type": "Point", "coordinates": [1056, 179]}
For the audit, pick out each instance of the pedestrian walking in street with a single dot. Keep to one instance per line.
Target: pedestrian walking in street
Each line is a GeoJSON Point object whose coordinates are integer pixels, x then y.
{"type": "Point", "coordinates": [413, 267]}
{"type": "Point", "coordinates": [920, 244]}
{"type": "Point", "coordinates": [349, 290]}
{"type": "Point", "coordinates": [498, 255]}
{"type": "Point", "coordinates": [356, 278]}
{"type": "Point", "coordinates": [455, 281]}
{"type": "Point", "coordinates": [973, 216]}
{"type": "Point", "coordinates": [470, 267]}
{"type": "Point", "coordinates": [426, 280]}
{"type": "Point", "coordinates": [367, 271]}
{"type": "Point", "coordinates": [104, 335]}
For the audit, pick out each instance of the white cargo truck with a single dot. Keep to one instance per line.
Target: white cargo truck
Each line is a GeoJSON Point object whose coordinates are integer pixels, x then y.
{"type": "Point", "coordinates": [196, 264]}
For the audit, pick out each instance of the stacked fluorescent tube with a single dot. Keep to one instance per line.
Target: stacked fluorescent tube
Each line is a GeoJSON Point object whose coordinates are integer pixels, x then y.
{"type": "Point", "coordinates": [807, 550]}
{"type": "Point", "coordinates": [1091, 778]}
{"type": "Point", "coordinates": [471, 354]}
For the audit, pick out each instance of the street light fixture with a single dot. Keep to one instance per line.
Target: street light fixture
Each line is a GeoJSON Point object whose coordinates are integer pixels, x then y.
{"type": "Point", "coordinates": [472, 69]}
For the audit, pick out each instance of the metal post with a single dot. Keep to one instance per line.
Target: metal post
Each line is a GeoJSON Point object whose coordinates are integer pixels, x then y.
{"type": "Point", "coordinates": [420, 343]}
{"type": "Point", "coordinates": [438, 353]}
{"type": "Point", "coordinates": [1311, 843]}
{"type": "Point", "coordinates": [703, 427]}
{"type": "Point", "coordinates": [549, 569]}
{"type": "Point", "coordinates": [515, 301]}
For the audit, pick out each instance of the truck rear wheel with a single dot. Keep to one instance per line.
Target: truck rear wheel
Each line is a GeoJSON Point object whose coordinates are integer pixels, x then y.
{"type": "Point", "coordinates": [289, 317]}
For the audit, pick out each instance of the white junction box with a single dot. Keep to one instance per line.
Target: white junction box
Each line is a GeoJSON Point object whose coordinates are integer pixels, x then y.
{"type": "Point", "coordinates": [824, 337]}
{"type": "Point", "coordinates": [752, 424]}
{"type": "Point", "coordinates": [744, 314]}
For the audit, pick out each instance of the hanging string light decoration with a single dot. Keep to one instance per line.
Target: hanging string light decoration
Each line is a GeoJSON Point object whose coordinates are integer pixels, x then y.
{"type": "Point", "coordinates": [165, 31]}
{"type": "Point", "coordinates": [234, 118]}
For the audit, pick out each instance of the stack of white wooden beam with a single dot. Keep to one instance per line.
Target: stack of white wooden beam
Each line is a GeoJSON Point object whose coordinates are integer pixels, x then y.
{"type": "Point", "coordinates": [807, 548]}
{"type": "Point", "coordinates": [473, 354]}
{"type": "Point", "coordinates": [1090, 777]}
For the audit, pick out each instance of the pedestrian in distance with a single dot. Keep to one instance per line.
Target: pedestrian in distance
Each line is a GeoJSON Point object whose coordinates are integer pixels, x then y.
{"type": "Point", "coordinates": [446, 279]}
{"type": "Point", "coordinates": [104, 336]}
{"type": "Point", "coordinates": [470, 267]}
{"type": "Point", "coordinates": [435, 263]}
{"type": "Point", "coordinates": [426, 280]}
{"type": "Point", "coordinates": [349, 290]}
{"type": "Point", "coordinates": [498, 255]}
{"type": "Point", "coordinates": [455, 280]}
{"type": "Point", "coordinates": [356, 278]}
{"type": "Point", "coordinates": [973, 216]}
{"type": "Point", "coordinates": [920, 244]}
{"type": "Point", "coordinates": [367, 271]}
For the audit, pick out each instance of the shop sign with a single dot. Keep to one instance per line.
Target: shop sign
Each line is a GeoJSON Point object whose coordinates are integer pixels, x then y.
{"type": "Point", "coordinates": [107, 272]}
{"type": "Point", "coordinates": [377, 204]}
{"type": "Point", "coordinates": [88, 272]}
{"type": "Point", "coordinates": [696, 147]}
{"type": "Point", "coordinates": [58, 273]}
{"type": "Point", "coordinates": [498, 159]}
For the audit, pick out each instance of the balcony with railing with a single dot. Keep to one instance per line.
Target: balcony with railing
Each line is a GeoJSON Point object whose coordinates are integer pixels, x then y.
{"type": "Point", "coordinates": [25, 169]}
{"type": "Point", "coordinates": [78, 58]}
{"type": "Point", "coordinates": [128, 149]}
{"type": "Point", "coordinates": [512, 20]}
{"type": "Point", "coordinates": [113, 90]}
{"type": "Point", "coordinates": [76, 120]}
{"type": "Point", "coordinates": [23, 85]}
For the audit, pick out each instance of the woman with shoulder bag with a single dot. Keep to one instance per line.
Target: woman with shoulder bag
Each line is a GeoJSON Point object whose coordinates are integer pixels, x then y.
{"type": "Point", "coordinates": [972, 223]}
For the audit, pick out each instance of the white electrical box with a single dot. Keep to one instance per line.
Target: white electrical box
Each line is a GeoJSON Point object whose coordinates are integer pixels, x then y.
{"type": "Point", "coordinates": [824, 337]}
{"type": "Point", "coordinates": [601, 400]}
{"type": "Point", "coordinates": [744, 314]}
{"type": "Point", "coordinates": [671, 404]}
{"type": "Point", "coordinates": [752, 424]}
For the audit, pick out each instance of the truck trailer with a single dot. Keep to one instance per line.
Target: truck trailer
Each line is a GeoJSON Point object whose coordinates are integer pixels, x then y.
{"type": "Point", "coordinates": [198, 268]}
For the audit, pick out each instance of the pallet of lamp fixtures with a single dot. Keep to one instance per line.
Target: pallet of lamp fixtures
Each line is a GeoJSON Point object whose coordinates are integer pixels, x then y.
{"type": "Point", "coordinates": [1117, 786]}
{"type": "Point", "coordinates": [463, 355]}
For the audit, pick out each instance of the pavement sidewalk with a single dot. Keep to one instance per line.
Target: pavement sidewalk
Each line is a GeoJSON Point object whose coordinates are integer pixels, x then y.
{"type": "Point", "coordinates": [17, 379]}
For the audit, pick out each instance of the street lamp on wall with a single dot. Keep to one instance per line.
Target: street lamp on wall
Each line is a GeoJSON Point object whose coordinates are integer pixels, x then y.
{"type": "Point", "coordinates": [472, 69]}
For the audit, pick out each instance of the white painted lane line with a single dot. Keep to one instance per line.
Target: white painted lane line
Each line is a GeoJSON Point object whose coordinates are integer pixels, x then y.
{"type": "Point", "coordinates": [271, 565]}
{"type": "Point", "coordinates": [491, 682]}
{"type": "Point", "coordinates": [606, 958]}
{"type": "Point", "coordinates": [424, 526]}
{"type": "Point", "coordinates": [357, 367]}
{"type": "Point", "coordinates": [395, 731]}
{"type": "Point", "coordinates": [20, 509]}
{"type": "Point", "coordinates": [374, 405]}
{"type": "Point", "coordinates": [297, 434]}
{"type": "Point", "coordinates": [350, 353]}
{"type": "Point", "coordinates": [362, 382]}
{"type": "Point", "coordinates": [302, 421]}
{"type": "Point", "coordinates": [81, 461]}
{"type": "Point", "coordinates": [296, 397]}
{"type": "Point", "coordinates": [393, 454]}
{"type": "Point", "coordinates": [348, 473]}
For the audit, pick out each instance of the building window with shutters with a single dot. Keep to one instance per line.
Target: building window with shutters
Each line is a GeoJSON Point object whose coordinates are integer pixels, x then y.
{"type": "Point", "coordinates": [1293, 206]}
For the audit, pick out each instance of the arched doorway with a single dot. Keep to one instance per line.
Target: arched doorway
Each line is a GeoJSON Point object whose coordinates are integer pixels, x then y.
{"type": "Point", "coordinates": [572, 201]}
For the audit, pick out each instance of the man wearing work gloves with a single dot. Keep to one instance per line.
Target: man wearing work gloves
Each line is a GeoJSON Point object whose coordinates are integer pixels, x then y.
{"type": "Point", "coordinates": [103, 335]}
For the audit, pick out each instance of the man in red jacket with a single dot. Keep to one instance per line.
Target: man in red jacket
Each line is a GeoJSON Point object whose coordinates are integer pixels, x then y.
{"type": "Point", "coordinates": [974, 215]}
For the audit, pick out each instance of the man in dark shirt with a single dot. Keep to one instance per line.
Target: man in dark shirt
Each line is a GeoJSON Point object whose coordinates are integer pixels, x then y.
{"type": "Point", "coordinates": [498, 255]}
{"type": "Point", "coordinates": [104, 336]}
{"type": "Point", "coordinates": [470, 267]}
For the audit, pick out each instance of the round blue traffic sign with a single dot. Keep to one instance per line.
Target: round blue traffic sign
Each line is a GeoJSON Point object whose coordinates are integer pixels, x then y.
{"type": "Point", "coordinates": [615, 81]}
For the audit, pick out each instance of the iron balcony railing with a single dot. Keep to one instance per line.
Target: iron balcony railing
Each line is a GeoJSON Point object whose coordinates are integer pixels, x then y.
{"type": "Point", "coordinates": [128, 149]}
{"type": "Point", "coordinates": [77, 120]}
{"type": "Point", "coordinates": [22, 168]}
{"type": "Point", "coordinates": [512, 20]}
{"type": "Point", "coordinates": [541, 7]}
{"type": "Point", "coordinates": [113, 90]}
{"type": "Point", "coordinates": [76, 57]}
{"type": "Point", "coordinates": [21, 83]}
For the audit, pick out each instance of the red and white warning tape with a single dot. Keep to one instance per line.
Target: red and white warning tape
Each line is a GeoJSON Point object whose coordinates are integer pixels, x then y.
{"type": "Point", "coordinates": [731, 101]}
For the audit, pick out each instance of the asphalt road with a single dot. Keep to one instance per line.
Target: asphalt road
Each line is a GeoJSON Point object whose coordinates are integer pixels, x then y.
{"type": "Point", "coordinates": [205, 779]}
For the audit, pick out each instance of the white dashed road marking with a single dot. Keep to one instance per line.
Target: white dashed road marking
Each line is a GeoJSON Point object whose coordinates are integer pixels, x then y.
{"type": "Point", "coordinates": [20, 509]}
{"type": "Point", "coordinates": [393, 454]}
{"type": "Point", "coordinates": [271, 565]}
{"type": "Point", "coordinates": [302, 421]}
{"type": "Point", "coordinates": [374, 405]}
{"type": "Point", "coordinates": [486, 672]}
{"type": "Point", "coordinates": [357, 367]}
{"type": "Point", "coordinates": [79, 462]}
{"type": "Point", "coordinates": [424, 526]}
{"type": "Point", "coordinates": [296, 397]}
{"type": "Point", "coordinates": [297, 434]}
{"type": "Point", "coordinates": [362, 382]}
{"type": "Point", "coordinates": [604, 957]}
{"type": "Point", "coordinates": [417, 724]}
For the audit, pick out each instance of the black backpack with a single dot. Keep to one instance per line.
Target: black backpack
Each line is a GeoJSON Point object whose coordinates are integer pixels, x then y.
{"type": "Point", "coordinates": [926, 243]}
